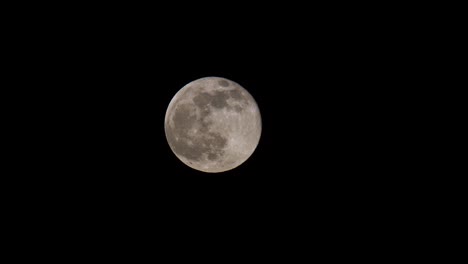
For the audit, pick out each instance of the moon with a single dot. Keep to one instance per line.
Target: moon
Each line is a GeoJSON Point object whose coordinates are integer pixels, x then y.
{"type": "Point", "coordinates": [213, 124]}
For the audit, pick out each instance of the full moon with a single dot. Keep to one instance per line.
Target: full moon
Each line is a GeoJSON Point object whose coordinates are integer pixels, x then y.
{"type": "Point", "coordinates": [213, 124]}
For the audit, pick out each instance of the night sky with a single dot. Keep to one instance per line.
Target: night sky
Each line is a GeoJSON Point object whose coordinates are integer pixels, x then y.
{"type": "Point", "coordinates": [315, 90]}
{"type": "Point", "coordinates": [104, 87]}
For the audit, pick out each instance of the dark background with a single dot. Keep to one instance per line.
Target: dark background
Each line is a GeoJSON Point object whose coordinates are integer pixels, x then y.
{"type": "Point", "coordinates": [101, 81]}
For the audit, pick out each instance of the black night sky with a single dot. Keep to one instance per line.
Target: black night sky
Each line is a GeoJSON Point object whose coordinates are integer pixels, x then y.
{"type": "Point", "coordinates": [104, 86]}
{"type": "Point", "coordinates": [312, 94]}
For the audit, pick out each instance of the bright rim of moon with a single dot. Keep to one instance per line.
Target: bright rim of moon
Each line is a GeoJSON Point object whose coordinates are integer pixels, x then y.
{"type": "Point", "coordinates": [213, 124]}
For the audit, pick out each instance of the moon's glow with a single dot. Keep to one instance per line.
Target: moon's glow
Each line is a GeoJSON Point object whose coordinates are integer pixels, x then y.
{"type": "Point", "coordinates": [213, 124]}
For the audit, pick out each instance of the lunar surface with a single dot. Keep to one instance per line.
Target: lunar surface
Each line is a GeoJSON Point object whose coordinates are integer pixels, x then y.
{"type": "Point", "coordinates": [213, 124]}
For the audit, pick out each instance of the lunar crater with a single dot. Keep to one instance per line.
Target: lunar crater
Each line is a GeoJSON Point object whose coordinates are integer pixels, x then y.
{"type": "Point", "coordinates": [223, 83]}
{"type": "Point", "coordinates": [236, 95]}
{"type": "Point", "coordinates": [238, 109]}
